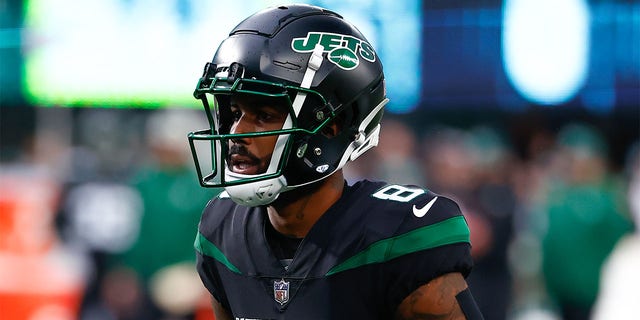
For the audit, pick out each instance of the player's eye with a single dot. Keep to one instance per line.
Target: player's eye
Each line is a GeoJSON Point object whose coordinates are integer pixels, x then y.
{"type": "Point", "coordinates": [264, 116]}
{"type": "Point", "coordinates": [236, 114]}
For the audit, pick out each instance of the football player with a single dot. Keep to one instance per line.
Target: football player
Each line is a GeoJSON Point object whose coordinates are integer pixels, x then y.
{"type": "Point", "coordinates": [292, 95]}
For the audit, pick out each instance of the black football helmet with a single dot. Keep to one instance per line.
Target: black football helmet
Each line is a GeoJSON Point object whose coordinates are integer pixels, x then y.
{"type": "Point", "coordinates": [327, 73]}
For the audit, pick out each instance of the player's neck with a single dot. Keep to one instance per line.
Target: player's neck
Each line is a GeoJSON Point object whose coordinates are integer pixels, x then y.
{"type": "Point", "coordinates": [296, 211]}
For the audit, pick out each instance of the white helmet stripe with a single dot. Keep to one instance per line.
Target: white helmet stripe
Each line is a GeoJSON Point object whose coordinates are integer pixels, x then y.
{"type": "Point", "coordinates": [315, 61]}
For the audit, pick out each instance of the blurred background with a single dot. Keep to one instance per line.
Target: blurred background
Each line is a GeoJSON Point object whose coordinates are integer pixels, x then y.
{"type": "Point", "coordinates": [527, 112]}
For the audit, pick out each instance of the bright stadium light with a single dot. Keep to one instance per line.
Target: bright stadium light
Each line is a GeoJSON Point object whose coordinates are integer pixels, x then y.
{"type": "Point", "coordinates": [150, 53]}
{"type": "Point", "coordinates": [545, 46]}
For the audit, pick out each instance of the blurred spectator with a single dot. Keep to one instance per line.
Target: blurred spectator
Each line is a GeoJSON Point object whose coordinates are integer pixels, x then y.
{"type": "Point", "coordinates": [618, 296]}
{"type": "Point", "coordinates": [475, 169]}
{"type": "Point", "coordinates": [161, 258]}
{"type": "Point", "coordinates": [99, 212]}
{"type": "Point", "coordinates": [447, 163]}
{"type": "Point", "coordinates": [491, 219]}
{"type": "Point", "coordinates": [397, 154]}
{"type": "Point", "coordinates": [530, 300]}
{"type": "Point", "coordinates": [585, 218]}
{"type": "Point", "coordinates": [40, 277]}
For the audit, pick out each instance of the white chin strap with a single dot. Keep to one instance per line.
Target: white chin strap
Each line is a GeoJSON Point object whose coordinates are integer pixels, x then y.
{"type": "Point", "coordinates": [257, 193]}
{"type": "Point", "coordinates": [266, 191]}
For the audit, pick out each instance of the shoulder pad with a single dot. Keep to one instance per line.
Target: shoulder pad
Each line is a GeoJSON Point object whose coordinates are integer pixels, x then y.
{"type": "Point", "coordinates": [413, 206]}
{"type": "Point", "coordinates": [415, 201]}
{"type": "Point", "coordinates": [402, 220]}
{"type": "Point", "coordinates": [217, 210]}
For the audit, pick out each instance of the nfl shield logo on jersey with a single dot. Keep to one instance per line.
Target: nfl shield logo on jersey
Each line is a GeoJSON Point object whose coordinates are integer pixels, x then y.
{"type": "Point", "coordinates": [281, 291]}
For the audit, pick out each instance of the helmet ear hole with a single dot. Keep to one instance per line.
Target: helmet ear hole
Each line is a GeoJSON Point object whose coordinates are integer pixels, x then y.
{"type": "Point", "coordinates": [331, 130]}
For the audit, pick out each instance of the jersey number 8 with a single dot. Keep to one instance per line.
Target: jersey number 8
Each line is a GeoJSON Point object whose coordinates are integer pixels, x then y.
{"type": "Point", "coordinates": [398, 193]}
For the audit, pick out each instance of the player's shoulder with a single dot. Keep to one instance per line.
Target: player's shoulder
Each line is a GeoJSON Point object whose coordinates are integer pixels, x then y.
{"type": "Point", "coordinates": [218, 212]}
{"type": "Point", "coordinates": [411, 200]}
{"type": "Point", "coordinates": [405, 207]}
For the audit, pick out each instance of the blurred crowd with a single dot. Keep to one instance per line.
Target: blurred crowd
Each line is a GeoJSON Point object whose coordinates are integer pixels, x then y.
{"type": "Point", "coordinates": [99, 210]}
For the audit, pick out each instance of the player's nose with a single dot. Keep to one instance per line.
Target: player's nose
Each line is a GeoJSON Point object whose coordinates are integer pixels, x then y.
{"type": "Point", "coordinates": [242, 126]}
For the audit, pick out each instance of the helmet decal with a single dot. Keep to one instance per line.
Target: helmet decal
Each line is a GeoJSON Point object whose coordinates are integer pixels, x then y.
{"type": "Point", "coordinates": [344, 58]}
{"type": "Point", "coordinates": [343, 49]}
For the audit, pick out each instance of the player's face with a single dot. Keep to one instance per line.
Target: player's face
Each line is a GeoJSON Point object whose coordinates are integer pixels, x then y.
{"type": "Point", "coordinates": [252, 114]}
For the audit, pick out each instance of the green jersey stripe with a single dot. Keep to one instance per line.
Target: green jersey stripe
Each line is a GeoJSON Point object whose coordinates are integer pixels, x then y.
{"type": "Point", "coordinates": [452, 230]}
{"type": "Point", "coordinates": [205, 247]}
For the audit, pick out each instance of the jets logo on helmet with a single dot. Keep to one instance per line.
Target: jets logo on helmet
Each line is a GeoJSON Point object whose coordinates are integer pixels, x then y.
{"type": "Point", "coordinates": [344, 58]}
{"type": "Point", "coordinates": [343, 50]}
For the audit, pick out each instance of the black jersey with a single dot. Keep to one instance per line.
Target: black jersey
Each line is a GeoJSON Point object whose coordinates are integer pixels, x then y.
{"type": "Point", "coordinates": [370, 250]}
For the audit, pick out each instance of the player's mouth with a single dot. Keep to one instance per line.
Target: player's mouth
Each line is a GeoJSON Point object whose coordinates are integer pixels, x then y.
{"type": "Point", "coordinates": [244, 164]}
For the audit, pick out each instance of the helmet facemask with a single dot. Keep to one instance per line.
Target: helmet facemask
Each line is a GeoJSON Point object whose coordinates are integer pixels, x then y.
{"type": "Point", "coordinates": [216, 89]}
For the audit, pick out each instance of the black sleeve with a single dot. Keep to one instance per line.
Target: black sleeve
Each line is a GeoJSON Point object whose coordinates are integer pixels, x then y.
{"type": "Point", "coordinates": [409, 272]}
{"type": "Point", "coordinates": [434, 222]}
{"type": "Point", "coordinates": [212, 221]}
{"type": "Point", "coordinates": [468, 305]}
{"type": "Point", "coordinates": [210, 278]}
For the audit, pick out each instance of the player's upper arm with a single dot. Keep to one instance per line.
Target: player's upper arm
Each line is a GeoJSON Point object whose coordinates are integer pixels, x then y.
{"type": "Point", "coordinates": [219, 311]}
{"type": "Point", "coordinates": [434, 300]}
